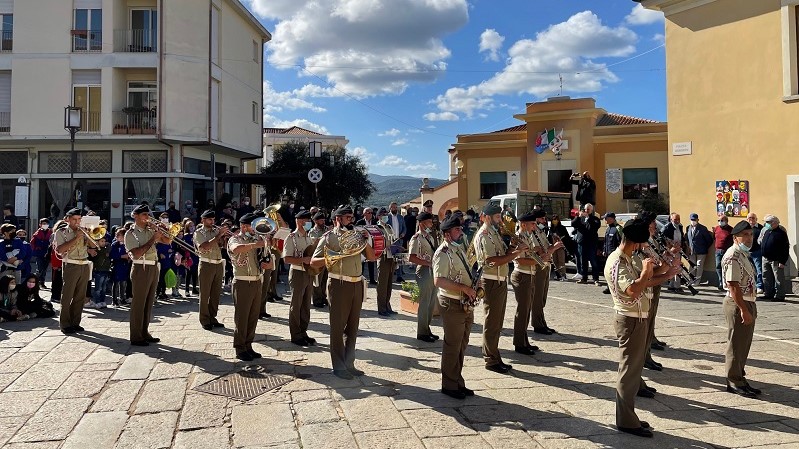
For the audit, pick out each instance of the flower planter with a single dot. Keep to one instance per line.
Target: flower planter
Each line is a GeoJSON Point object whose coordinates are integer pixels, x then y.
{"type": "Point", "coordinates": [148, 131]}
{"type": "Point", "coordinates": [134, 130]}
{"type": "Point", "coordinates": [407, 304]}
{"type": "Point", "coordinates": [120, 130]}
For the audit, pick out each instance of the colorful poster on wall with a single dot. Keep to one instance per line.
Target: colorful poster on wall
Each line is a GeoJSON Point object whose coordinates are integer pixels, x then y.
{"type": "Point", "coordinates": [732, 198]}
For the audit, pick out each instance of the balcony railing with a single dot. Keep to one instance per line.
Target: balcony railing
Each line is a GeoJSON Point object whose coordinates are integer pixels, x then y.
{"type": "Point", "coordinates": [87, 40]}
{"type": "Point", "coordinates": [135, 121]}
{"type": "Point", "coordinates": [5, 122]}
{"type": "Point", "coordinates": [6, 41]}
{"type": "Point", "coordinates": [90, 122]}
{"type": "Point", "coordinates": [135, 41]}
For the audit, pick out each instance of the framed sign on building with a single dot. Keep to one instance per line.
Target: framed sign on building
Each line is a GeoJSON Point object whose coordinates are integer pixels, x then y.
{"type": "Point", "coordinates": [732, 198]}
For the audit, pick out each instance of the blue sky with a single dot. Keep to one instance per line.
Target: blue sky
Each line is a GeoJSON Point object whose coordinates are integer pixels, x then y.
{"type": "Point", "coordinates": [401, 78]}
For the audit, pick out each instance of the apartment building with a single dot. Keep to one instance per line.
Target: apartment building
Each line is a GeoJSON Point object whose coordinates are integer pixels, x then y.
{"type": "Point", "coordinates": [170, 95]}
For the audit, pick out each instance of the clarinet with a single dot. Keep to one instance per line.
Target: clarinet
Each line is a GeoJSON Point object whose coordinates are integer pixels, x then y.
{"type": "Point", "coordinates": [685, 279]}
{"type": "Point", "coordinates": [664, 242]}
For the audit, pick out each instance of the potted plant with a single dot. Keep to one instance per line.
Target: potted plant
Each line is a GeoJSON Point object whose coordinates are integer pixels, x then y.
{"type": "Point", "coordinates": [136, 118]}
{"type": "Point", "coordinates": [120, 129]}
{"type": "Point", "coordinates": [409, 297]}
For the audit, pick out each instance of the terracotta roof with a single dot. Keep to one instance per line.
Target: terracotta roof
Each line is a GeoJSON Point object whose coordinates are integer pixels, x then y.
{"type": "Point", "coordinates": [522, 127]}
{"type": "Point", "coordinates": [611, 119]}
{"type": "Point", "coordinates": [294, 130]}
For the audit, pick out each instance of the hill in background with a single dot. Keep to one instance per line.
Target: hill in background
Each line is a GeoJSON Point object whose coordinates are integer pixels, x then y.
{"type": "Point", "coordinates": [396, 188]}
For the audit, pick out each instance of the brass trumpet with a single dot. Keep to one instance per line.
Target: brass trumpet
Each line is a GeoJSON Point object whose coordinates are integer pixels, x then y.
{"type": "Point", "coordinates": [352, 243]}
{"type": "Point", "coordinates": [171, 231]}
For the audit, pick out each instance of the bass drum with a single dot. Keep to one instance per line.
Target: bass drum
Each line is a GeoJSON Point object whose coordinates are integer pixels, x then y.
{"type": "Point", "coordinates": [378, 239]}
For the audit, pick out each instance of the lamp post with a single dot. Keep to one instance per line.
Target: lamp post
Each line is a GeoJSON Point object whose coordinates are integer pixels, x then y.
{"type": "Point", "coordinates": [72, 123]}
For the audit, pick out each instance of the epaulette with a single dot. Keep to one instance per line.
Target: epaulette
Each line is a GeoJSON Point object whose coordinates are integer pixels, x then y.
{"type": "Point", "coordinates": [444, 249]}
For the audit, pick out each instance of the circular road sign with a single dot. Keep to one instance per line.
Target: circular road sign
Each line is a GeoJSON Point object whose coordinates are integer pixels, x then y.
{"type": "Point", "coordinates": [314, 175]}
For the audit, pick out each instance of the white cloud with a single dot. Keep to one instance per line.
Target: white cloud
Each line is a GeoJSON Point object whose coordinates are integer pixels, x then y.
{"type": "Point", "coordinates": [659, 38]}
{"type": "Point", "coordinates": [392, 161]}
{"type": "Point", "coordinates": [399, 142]}
{"type": "Point", "coordinates": [278, 101]}
{"type": "Point", "coordinates": [642, 16]}
{"type": "Point", "coordinates": [534, 66]}
{"type": "Point", "coordinates": [393, 132]}
{"type": "Point", "coordinates": [274, 122]}
{"type": "Point", "coordinates": [398, 163]}
{"type": "Point", "coordinates": [441, 117]}
{"type": "Point", "coordinates": [365, 155]}
{"type": "Point", "coordinates": [491, 42]}
{"type": "Point", "coordinates": [363, 47]}
{"type": "Point", "coordinates": [425, 166]}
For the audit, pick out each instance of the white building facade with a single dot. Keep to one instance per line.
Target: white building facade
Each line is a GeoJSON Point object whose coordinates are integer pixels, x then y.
{"type": "Point", "coordinates": [171, 98]}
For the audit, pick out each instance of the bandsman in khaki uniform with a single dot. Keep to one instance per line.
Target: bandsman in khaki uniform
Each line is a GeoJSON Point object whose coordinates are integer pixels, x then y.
{"type": "Point", "coordinates": [493, 258]}
{"type": "Point", "coordinates": [72, 245]}
{"type": "Point", "coordinates": [320, 280]}
{"type": "Point", "coordinates": [346, 290]}
{"type": "Point", "coordinates": [649, 362]}
{"type": "Point", "coordinates": [740, 310]}
{"type": "Point", "coordinates": [541, 277]}
{"type": "Point", "coordinates": [386, 265]}
{"type": "Point", "coordinates": [247, 276]}
{"type": "Point", "coordinates": [420, 252]}
{"type": "Point", "coordinates": [265, 258]}
{"type": "Point", "coordinates": [300, 281]}
{"type": "Point", "coordinates": [140, 242]}
{"type": "Point", "coordinates": [631, 289]}
{"type": "Point", "coordinates": [522, 280]}
{"type": "Point", "coordinates": [456, 299]}
{"type": "Point", "coordinates": [209, 240]}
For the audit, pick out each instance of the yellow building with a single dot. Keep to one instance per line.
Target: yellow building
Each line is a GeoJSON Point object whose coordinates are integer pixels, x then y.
{"type": "Point", "coordinates": [624, 155]}
{"type": "Point", "coordinates": [733, 104]}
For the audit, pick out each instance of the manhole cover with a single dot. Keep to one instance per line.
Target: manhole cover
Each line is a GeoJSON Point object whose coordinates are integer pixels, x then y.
{"type": "Point", "coordinates": [703, 367]}
{"type": "Point", "coordinates": [244, 385]}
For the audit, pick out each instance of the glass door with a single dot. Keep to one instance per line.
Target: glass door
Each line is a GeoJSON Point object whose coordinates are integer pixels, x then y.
{"type": "Point", "coordinates": [144, 28]}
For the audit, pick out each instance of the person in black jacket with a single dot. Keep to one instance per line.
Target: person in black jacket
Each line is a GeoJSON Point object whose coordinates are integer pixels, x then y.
{"type": "Point", "coordinates": [755, 254]}
{"type": "Point", "coordinates": [369, 219]}
{"type": "Point", "coordinates": [700, 240]}
{"type": "Point", "coordinates": [586, 226]}
{"type": "Point", "coordinates": [559, 232]}
{"type": "Point", "coordinates": [674, 231]}
{"type": "Point", "coordinates": [586, 188]}
{"type": "Point", "coordinates": [775, 248]}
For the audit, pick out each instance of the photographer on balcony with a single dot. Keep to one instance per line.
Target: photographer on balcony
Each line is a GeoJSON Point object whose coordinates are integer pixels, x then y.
{"type": "Point", "coordinates": [586, 188]}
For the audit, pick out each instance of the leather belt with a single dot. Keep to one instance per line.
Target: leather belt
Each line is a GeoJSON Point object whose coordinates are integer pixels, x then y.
{"type": "Point", "coordinates": [634, 314]}
{"type": "Point", "coordinates": [494, 278]}
{"type": "Point", "coordinates": [298, 267]}
{"type": "Point", "coordinates": [213, 261]}
{"type": "Point", "coordinates": [75, 261]}
{"type": "Point", "coordinates": [447, 295]}
{"type": "Point", "coordinates": [746, 298]}
{"type": "Point", "coordinates": [341, 277]}
{"type": "Point", "coordinates": [144, 262]}
{"type": "Point", "coordinates": [247, 278]}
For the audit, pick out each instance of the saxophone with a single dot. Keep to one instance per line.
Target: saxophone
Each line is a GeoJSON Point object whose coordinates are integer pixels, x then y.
{"type": "Point", "coordinates": [531, 252]}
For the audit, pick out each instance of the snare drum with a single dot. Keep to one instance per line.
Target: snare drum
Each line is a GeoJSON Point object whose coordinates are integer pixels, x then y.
{"type": "Point", "coordinates": [378, 239]}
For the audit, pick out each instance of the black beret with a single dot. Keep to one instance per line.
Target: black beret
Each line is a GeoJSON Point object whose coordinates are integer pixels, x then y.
{"type": "Point", "coordinates": [424, 216]}
{"type": "Point", "coordinates": [529, 216]}
{"type": "Point", "coordinates": [210, 213]}
{"type": "Point", "coordinates": [647, 217]}
{"type": "Point", "coordinates": [539, 213]}
{"type": "Point", "coordinates": [303, 214]}
{"type": "Point", "coordinates": [76, 211]}
{"type": "Point", "coordinates": [636, 230]}
{"type": "Point", "coordinates": [247, 218]}
{"type": "Point", "coordinates": [259, 214]}
{"type": "Point", "coordinates": [318, 216]}
{"type": "Point", "coordinates": [343, 210]}
{"type": "Point", "coordinates": [450, 223]}
{"type": "Point", "coordinates": [741, 227]}
{"type": "Point", "coordinates": [491, 209]}
{"type": "Point", "coordinates": [428, 203]}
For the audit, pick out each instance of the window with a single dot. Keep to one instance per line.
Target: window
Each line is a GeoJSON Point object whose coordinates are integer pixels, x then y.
{"type": "Point", "coordinates": [85, 162]}
{"type": "Point", "coordinates": [6, 32]}
{"type": "Point", "coordinates": [142, 105]}
{"type": "Point", "coordinates": [196, 166]}
{"type": "Point", "coordinates": [255, 112]}
{"type": "Point", "coordinates": [87, 32]}
{"type": "Point", "coordinates": [493, 183]}
{"type": "Point", "coordinates": [88, 97]}
{"type": "Point", "coordinates": [639, 181]}
{"type": "Point", "coordinates": [215, 35]}
{"type": "Point", "coordinates": [151, 190]}
{"type": "Point", "coordinates": [790, 50]}
{"type": "Point", "coordinates": [143, 30]}
{"type": "Point", "coordinates": [256, 51]}
{"type": "Point", "coordinates": [144, 161]}
{"type": "Point", "coordinates": [14, 162]}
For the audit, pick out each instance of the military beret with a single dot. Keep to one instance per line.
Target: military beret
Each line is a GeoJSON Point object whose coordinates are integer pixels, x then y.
{"type": "Point", "coordinates": [539, 213]}
{"type": "Point", "coordinates": [529, 216]}
{"type": "Point", "coordinates": [247, 218]}
{"type": "Point", "coordinates": [428, 203]}
{"type": "Point", "coordinates": [343, 210]}
{"type": "Point", "coordinates": [210, 213]}
{"type": "Point", "coordinates": [636, 230]}
{"type": "Point", "coordinates": [450, 223]}
{"type": "Point", "coordinates": [741, 227]}
{"type": "Point", "coordinates": [424, 216]}
{"type": "Point", "coordinates": [303, 215]}
{"type": "Point", "coordinates": [647, 217]}
{"type": "Point", "coordinates": [318, 216]}
{"type": "Point", "coordinates": [76, 211]}
{"type": "Point", "coordinates": [491, 209]}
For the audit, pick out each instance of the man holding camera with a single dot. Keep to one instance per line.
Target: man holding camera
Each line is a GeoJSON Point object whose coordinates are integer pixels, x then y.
{"type": "Point", "coordinates": [586, 188]}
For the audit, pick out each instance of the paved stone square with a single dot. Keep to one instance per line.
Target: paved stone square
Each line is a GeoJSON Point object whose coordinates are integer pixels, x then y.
{"type": "Point", "coordinates": [95, 391]}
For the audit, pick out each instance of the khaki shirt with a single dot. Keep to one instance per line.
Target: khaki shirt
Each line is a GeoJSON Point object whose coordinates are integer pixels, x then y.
{"type": "Point", "coordinates": [531, 243]}
{"type": "Point", "coordinates": [539, 237]}
{"type": "Point", "coordinates": [421, 245]}
{"type": "Point", "coordinates": [295, 244]}
{"type": "Point", "coordinates": [316, 232]}
{"type": "Point", "coordinates": [449, 262]}
{"type": "Point", "coordinates": [136, 237]}
{"type": "Point", "coordinates": [736, 267]}
{"type": "Point", "coordinates": [348, 266]}
{"type": "Point", "coordinates": [244, 264]}
{"type": "Point", "coordinates": [621, 271]}
{"type": "Point", "coordinates": [202, 235]}
{"type": "Point", "coordinates": [78, 250]}
{"type": "Point", "coordinates": [488, 243]}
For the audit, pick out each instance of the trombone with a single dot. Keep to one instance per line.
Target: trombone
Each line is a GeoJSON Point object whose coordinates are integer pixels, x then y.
{"type": "Point", "coordinates": [171, 232]}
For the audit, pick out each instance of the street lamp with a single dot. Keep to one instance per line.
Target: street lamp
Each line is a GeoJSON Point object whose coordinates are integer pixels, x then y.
{"type": "Point", "coordinates": [72, 123]}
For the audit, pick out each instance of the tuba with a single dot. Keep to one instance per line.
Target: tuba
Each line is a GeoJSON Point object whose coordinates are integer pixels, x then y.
{"type": "Point", "coordinates": [352, 243]}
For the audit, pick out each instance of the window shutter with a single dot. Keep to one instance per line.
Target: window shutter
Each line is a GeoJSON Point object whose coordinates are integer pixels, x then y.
{"type": "Point", "coordinates": [86, 77]}
{"type": "Point", "coordinates": [87, 4]}
{"type": "Point", "coordinates": [5, 92]}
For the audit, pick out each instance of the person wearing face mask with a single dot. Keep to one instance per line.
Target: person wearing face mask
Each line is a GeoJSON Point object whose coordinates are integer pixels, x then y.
{"type": "Point", "coordinates": [191, 261]}
{"type": "Point", "coordinates": [558, 232]}
{"type": "Point", "coordinates": [173, 214]}
{"type": "Point", "coordinates": [12, 253]}
{"type": "Point", "coordinates": [523, 282]}
{"type": "Point", "coordinates": [9, 309]}
{"type": "Point", "coordinates": [188, 210]}
{"type": "Point", "coordinates": [631, 279]}
{"type": "Point", "coordinates": [755, 253]}
{"type": "Point", "coordinates": [73, 247]}
{"type": "Point", "coordinates": [27, 253]}
{"type": "Point", "coordinates": [740, 310]}
{"type": "Point", "coordinates": [420, 252]}
{"type": "Point", "coordinates": [386, 264]}
{"type": "Point", "coordinates": [545, 251]}
{"type": "Point", "coordinates": [245, 208]}
{"type": "Point", "coordinates": [700, 240]}
{"type": "Point", "coordinates": [397, 223]}
{"type": "Point", "coordinates": [493, 257]}
{"type": "Point", "coordinates": [722, 235]}
{"type": "Point", "coordinates": [776, 252]}
{"type": "Point", "coordinates": [300, 281]}
{"type": "Point", "coordinates": [40, 244]}
{"type": "Point", "coordinates": [369, 219]}
{"type": "Point", "coordinates": [320, 281]}
{"type": "Point", "coordinates": [29, 300]}
{"type": "Point", "coordinates": [410, 225]}
{"type": "Point", "coordinates": [208, 240]}
{"type": "Point", "coordinates": [120, 270]}
{"type": "Point", "coordinates": [674, 231]}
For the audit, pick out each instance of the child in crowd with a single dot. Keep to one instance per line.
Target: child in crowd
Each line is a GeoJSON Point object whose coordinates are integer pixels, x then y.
{"type": "Point", "coordinates": [120, 269]}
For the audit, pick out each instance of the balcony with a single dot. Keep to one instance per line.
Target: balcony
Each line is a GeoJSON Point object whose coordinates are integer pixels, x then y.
{"type": "Point", "coordinates": [6, 41]}
{"type": "Point", "coordinates": [135, 120]}
{"type": "Point", "coordinates": [87, 41]}
{"type": "Point", "coordinates": [90, 122]}
{"type": "Point", "coordinates": [136, 41]}
{"type": "Point", "coordinates": [5, 122]}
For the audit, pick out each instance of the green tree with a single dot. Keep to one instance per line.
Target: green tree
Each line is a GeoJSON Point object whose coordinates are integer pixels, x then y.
{"type": "Point", "coordinates": [344, 177]}
{"type": "Point", "coordinates": [654, 202]}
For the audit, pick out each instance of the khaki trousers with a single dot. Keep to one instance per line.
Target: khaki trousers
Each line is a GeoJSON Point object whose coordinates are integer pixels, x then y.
{"type": "Point", "coordinates": [739, 340]}
{"type": "Point", "coordinates": [457, 325]}
{"type": "Point", "coordinates": [385, 276]}
{"type": "Point", "coordinates": [211, 278]}
{"type": "Point", "coordinates": [144, 280]}
{"type": "Point", "coordinates": [653, 311]}
{"type": "Point", "coordinates": [346, 300]}
{"type": "Point", "coordinates": [319, 289]}
{"type": "Point", "coordinates": [246, 302]}
{"type": "Point", "coordinates": [265, 285]}
{"type": "Point", "coordinates": [427, 300]}
{"type": "Point", "coordinates": [632, 334]}
{"type": "Point", "coordinates": [73, 293]}
{"type": "Point", "coordinates": [523, 290]}
{"type": "Point", "coordinates": [300, 309]}
{"type": "Point", "coordinates": [494, 307]}
{"type": "Point", "coordinates": [541, 290]}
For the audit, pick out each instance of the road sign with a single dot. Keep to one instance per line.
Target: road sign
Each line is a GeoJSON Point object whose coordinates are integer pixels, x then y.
{"type": "Point", "coordinates": [314, 175]}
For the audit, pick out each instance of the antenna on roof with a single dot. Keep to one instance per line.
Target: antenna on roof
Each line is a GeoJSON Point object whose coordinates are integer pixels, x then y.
{"type": "Point", "coordinates": [561, 83]}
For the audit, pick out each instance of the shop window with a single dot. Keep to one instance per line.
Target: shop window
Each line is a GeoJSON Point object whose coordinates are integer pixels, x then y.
{"type": "Point", "coordinates": [144, 161]}
{"type": "Point", "coordinates": [638, 181]}
{"type": "Point", "coordinates": [493, 183]}
{"type": "Point", "coordinates": [85, 162]}
{"type": "Point", "coordinates": [14, 162]}
{"type": "Point", "coordinates": [196, 166]}
{"type": "Point", "coordinates": [150, 190]}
